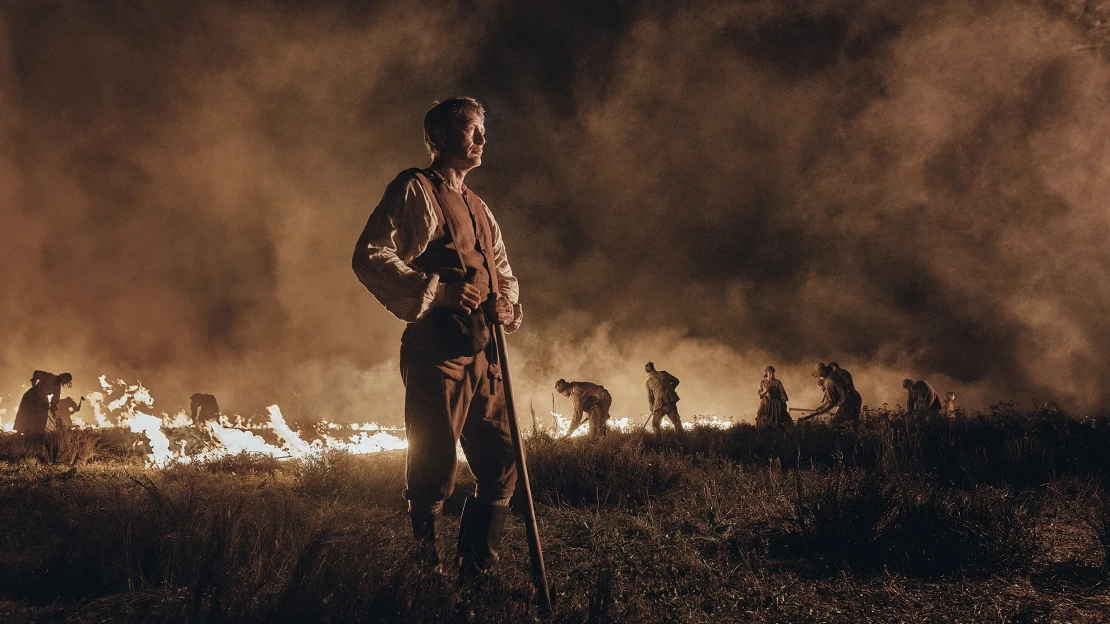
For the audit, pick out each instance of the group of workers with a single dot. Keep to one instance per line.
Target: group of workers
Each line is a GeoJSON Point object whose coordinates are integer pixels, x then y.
{"type": "Point", "coordinates": [42, 406]}
{"type": "Point", "coordinates": [591, 401]}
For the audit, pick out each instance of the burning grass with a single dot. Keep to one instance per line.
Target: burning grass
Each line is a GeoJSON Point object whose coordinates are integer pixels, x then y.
{"type": "Point", "coordinates": [724, 525]}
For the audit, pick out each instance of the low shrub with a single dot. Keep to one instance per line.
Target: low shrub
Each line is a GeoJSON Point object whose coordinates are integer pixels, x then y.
{"type": "Point", "coordinates": [939, 531]}
{"type": "Point", "coordinates": [842, 517]}
{"type": "Point", "coordinates": [868, 521]}
{"type": "Point", "coordinates": [616, 470]}
{"type": "Point", "coordinates": [240, 463]}
{"type": "Point", "coordinates": [71, 447]}
{"type": "Point", "coordinates": [1097, 518]}
{"type": "Point", "coordinates": [378, 478]}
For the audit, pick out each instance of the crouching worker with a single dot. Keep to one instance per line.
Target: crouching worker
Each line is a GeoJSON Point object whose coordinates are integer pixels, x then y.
{"type": "Point", "coordinates": [432, 254]}
{"type": "Point", "coordinates": [590, 400]}
{"type": "Point", "coordinates": [921, 397]}
{"type": "Point", "coordinates": [67, 407]}
{"type": "Point", "coordinates": [839, 395]}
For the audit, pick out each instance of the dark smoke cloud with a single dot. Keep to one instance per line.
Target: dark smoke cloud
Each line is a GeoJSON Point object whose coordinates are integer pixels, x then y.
{"type": "Point", "coordinates": [916, 192]}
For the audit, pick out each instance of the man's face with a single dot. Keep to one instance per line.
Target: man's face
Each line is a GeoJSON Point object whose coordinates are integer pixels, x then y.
{"type": "Point", "coordinates": [465, 143]}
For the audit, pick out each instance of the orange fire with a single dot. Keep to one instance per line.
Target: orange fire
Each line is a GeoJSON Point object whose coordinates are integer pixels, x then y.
{"type": "Point", "coordinates": [131, 406]}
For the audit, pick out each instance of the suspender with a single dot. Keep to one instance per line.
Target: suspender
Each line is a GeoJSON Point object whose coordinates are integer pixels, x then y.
{"type": "Point", "coordinates": [426, 180]}
{"type": "Point", "coordinates": [429, 184]}
{"type": "Point", "coordinates": [491, 349]}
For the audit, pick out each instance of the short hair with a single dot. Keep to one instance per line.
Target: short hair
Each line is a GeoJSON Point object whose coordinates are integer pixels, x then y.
{"type": "Point", "coordinates": [906, 383]}
{"type": "Point", "coordinates": [65, 379]}
{"type": "Point", "coordinates": [769, 369]}
{"type": "Point", "coordinates": [450, 111]}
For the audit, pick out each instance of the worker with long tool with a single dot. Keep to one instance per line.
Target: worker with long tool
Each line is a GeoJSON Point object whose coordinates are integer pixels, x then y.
{"type": "Point", "coordinates": [432, 254]}
{"type": "Point", "coordinates": [840, 395]}
{"type": "Point", "coordinates": [662, 398]}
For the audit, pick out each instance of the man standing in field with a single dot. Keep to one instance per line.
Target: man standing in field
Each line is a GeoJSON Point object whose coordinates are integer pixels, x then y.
{"type": "Point", "coordinates": [589, 399]}
{"type": "Point", "coordinates": [433, 255]}
{"type": "Point", "coordinates": [662, 398]}
{"type": "Point", "coordinates": [921, 397]}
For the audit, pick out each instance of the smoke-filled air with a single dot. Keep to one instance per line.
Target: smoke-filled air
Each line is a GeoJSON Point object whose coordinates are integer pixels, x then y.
{"type": "Point", "coordinates": [914, 191]}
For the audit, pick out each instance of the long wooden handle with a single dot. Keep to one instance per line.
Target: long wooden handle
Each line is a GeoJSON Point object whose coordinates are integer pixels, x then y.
{"type": "Point", "coordinates": [535, 550]}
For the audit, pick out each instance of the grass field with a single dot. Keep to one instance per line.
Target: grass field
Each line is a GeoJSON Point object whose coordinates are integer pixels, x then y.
{"type": "Point", "coordinates": [998, 517]}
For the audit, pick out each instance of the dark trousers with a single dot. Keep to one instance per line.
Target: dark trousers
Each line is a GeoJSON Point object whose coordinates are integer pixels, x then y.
{"type": "Point", "coordinates": [599, 416]}
{"type": "Point", "coordinates": [670, 411]}
{"type": "Point", "coordinates": [454, 401]}
{"type": "Point", "coordinates": [849, 410]}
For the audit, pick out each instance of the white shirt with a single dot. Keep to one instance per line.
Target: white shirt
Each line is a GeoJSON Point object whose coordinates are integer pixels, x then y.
{"type": "Point", "coordinates": [398, 231]}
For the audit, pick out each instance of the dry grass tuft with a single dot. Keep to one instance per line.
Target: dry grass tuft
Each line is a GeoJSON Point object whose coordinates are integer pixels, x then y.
{"type": "Point", "coordinates": [900, 521]}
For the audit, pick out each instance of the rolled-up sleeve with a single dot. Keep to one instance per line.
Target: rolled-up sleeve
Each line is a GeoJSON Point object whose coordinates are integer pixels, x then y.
{"type": "Point", "coordinates": [507, 284]}
{"type": "Point", "coordinates": [397, 232]}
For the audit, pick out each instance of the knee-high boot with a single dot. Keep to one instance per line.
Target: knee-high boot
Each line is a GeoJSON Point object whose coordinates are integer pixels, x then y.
{"type": "Point", "coordinates": [480, 536]}
{"type": "Point", "coordinates": [425, 525]}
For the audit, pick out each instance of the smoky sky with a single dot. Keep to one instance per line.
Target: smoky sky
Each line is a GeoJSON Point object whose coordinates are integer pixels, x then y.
{"type": "Point", "coordinates": [913, 191]}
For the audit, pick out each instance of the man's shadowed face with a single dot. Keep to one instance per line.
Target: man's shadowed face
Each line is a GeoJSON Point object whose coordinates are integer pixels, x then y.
{"type": "Point", "coordinates": [465, 143]}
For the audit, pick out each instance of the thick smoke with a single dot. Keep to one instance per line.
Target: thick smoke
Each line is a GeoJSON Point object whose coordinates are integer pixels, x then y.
{"type": "Point", "coordinates": [915, 192]}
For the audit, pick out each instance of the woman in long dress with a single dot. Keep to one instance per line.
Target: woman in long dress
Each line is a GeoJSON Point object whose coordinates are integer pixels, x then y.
{"type": "Point", "coordinates": [772, 401]}
{"type": "Point", "coordinates": [40, 402]}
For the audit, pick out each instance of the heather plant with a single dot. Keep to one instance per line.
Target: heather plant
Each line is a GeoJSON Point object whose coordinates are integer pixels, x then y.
{"type": "Point", "coordinates": [1098, 519]}
{"type": "Point", "coordinates": [813, 523]}
{"type": "Point", "coordinates": [842, 518]}
{"type": "Point", "coordinates": [867, 521]}
{"type": "Point", "coordinates": [615, 470]}
{"type": "Point", "coordinates": [982, 531]}
{"type": "Point", "coordinates": [71, 447]}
